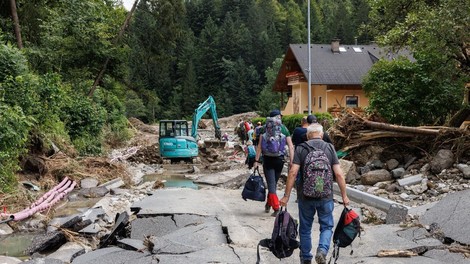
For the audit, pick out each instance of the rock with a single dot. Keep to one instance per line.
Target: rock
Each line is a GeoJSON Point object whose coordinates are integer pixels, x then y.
{"type": "Point", "coordinates": [398, 173]}
{"type": "Point", "coordinates": [9, 260]}
{"type": "Point", "coordinates": [392, 164]}
{"type": "Point", "coordinates": [409, 161]}
{"type": "Point", "coordinates": [375, 176]}
{"type": "Point", "coordinates": [396, 213]}
{"type": "Point", "coordinates": [45, 261]}
{"type": "Point", "coordinates": [415, 179]}
{"type": "Point", "coordinates": [116, 183]}
{"type": "Point", "coordinates": [5, 230]}
{"type": "Point", "coordinates": [376, 164]}
{"type": "Point", "coordinates": [94, 192]}
{"type": "Point", "coordinates": [420, 188]}
{"type": "Point", "coordinates": [404, 196]}
{"type": "Point", "coordinates": [465, 169]}
{"type": "Point", "coordinates": [88, 183]}
{"type": "Point", "coordinates": [349, 169]}
{"type": "Point", "coordinates": [425, 168]}
{"type": "Point", "coordinates": [364, 170]}
{"type": "Point", "coordinates": [67, 252]}
{"type": "Point", "coordinates": [391, 188]}
{"type": "Point", "coordinates": [443, 160]}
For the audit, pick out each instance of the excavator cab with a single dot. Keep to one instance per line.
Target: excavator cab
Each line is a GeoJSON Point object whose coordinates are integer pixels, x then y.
{"type": "Point", "coordinates": [175, 141]}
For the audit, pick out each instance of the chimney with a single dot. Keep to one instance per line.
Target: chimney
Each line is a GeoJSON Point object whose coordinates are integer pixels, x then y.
{"type": "Point", "coordinates": [335, 45]}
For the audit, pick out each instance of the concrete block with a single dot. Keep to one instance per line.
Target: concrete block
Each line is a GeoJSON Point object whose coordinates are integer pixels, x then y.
{"type": "Point", "coordinates": [415, 179]}
{"type": "Point", "coordinates": [396, 213]}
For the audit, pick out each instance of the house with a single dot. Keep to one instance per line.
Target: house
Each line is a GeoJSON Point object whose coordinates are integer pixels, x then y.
{"type": "Point", "coordinates": [336, 78]}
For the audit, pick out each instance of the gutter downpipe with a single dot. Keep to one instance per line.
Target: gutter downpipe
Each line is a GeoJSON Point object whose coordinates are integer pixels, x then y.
{"type": "Point", "coordinates": [309, 63]}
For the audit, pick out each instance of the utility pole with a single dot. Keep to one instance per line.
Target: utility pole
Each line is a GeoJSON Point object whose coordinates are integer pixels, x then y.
{"type": "Point", "coordinates": [309, 63]}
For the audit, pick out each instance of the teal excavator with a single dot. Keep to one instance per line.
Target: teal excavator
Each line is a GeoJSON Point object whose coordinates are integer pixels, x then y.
{"type": "Point", "coordinates": [175, 141]}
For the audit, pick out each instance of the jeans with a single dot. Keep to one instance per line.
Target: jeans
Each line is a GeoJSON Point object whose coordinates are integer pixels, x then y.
{"type": "Point", "coordinates": [307, 210]}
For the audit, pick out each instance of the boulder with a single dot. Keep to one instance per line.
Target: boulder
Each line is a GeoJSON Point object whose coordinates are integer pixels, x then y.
{"type": "Point", "coordinates": [375, 176]}
{"type": "Point", "coordinates": [443, 160]}
{"type": "Point", "coordinates": [349, 170]}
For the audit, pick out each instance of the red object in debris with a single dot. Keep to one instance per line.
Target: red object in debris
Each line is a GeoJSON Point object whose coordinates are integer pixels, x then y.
{"type": "Point", "coordinates": [4, 209]}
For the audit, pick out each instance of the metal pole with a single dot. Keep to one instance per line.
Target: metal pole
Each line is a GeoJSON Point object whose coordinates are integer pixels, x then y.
{"type": "Point", "coordinates": [309, 63]}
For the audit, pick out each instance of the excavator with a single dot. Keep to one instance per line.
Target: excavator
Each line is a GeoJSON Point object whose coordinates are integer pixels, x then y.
{"type": "Point", "coordinates": [175, 141]}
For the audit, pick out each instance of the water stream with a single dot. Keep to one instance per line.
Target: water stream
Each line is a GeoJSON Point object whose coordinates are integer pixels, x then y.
{"type": "Point", "coordinates": [171, 180]}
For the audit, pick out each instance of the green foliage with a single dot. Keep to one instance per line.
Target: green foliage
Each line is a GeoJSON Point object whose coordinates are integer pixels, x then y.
{"type": "Point", "coordinates": [406, 93]}
{"type": "Point", "coordinates": [14, 128]}
{"type": "Point", "coordinates": [268, 99]}
{"type": "Point", "coordinates": [12, 62]}
{"type": "Point", "coordinates": [84, 122]}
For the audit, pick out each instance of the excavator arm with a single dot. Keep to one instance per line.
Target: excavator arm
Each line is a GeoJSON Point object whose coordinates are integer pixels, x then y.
{"type": "Point", "coordinates": [209, 104]}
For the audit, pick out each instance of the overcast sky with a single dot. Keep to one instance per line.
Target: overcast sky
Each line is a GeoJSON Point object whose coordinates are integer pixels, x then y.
{"type": "Point", "coordinates": [128, 4]}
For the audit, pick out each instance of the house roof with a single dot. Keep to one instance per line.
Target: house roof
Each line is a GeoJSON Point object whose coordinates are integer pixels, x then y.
{"type": "Point", "coordinates": [347, 67]}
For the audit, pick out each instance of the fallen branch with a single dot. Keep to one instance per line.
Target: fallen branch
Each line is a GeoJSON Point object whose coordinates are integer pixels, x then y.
{"type": "Point", "coordinates": [414, 130]}
{"type": "Point", "coordinates": [396, 253]}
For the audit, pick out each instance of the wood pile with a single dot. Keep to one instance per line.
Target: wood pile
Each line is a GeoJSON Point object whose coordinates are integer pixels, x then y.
{"type": "Point", "coordinates": [353, 131]}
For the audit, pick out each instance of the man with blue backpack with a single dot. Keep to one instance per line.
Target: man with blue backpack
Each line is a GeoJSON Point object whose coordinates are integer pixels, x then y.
{"type": "Point", "coordinates": [317, 162]}
{"type": "Point", "coordinates": [272, 145]}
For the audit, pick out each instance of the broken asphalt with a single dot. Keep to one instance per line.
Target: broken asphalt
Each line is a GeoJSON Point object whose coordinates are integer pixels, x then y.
{"type": "Point", "coordinates": [215, 225]}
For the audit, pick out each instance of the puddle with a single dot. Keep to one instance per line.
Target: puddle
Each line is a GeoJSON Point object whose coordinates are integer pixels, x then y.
{"type": "Point", "coordinates": [14, 245]}
{"type": "Point", "coordinates": [171, 181]}
{"type": "Point", "coordinates": [67, 208]}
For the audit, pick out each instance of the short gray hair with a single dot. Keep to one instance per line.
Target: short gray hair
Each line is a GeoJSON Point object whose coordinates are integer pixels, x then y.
{"type": "Point", "coordinates": [314, 128]}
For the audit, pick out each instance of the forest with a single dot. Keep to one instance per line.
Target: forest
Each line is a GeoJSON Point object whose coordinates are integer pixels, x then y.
{"type": "Point", "coordinates": [73, 71]}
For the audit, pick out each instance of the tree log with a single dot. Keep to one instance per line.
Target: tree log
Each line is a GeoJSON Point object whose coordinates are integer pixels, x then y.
{"type": "Point", "coordinates": [414, 130]}
{"type": "Point", "coordinates": [396, 253]}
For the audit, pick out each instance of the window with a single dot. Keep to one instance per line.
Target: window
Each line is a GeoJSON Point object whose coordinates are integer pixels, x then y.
{"type": "Point", "coordinates": [319, 102]}
{"type": "Point", "coordinates": [352, 101]}
{"type": "Point", "coordinates": [357, 49]}
{"type": "Point", "coordinates": [342, 49]}
{"type": "Point", "coordinates": [314, 101]}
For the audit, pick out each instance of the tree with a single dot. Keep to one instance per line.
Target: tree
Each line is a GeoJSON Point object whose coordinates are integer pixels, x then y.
{"type": "Point", "coordinates": [268, 99]}
{"type": "Point", "coordinates": [16, 23]}
{"type": "Point", "coordinates": [402, 92]}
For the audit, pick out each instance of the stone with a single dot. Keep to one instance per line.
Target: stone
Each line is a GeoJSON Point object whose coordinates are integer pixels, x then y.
{"type": "Point", "coordinates": [415, 179]}
{"type": "Point", "coordinates": [392, 164]}
{"type": "Point", "coordinates": [364, 170]}
{"type": "Point", "coordinates": [9, 260]}
{"type": "Point", "coordinates": [377, 164]}
{"type": "Point", "coordinates": [396, 213]}
{"type": "Point", "coordinates": [88, 183]}
{"type": "Point", "coordinates": [45, 261]}
{"type": "Point", "coordinates": [398, 173]}
{"type": "Point", "coordinates": [94, 192]}
{"type": "Point", "coordinates": [349, 169]}
{"type": "Point", "coordinates": [465, 169]}
{"type": "Point", "coordinates": [67, 252]}
{"type": "Point", "coordinates": [443, 160]}
{"type": "Point", "coordinates": [372, 177]}
{"type": "Point", "coordinates": [410, 160]}
{"type": "Point", "coordinates": [116, 183]}
{"type": "Point", "coordinates": [5, 230]}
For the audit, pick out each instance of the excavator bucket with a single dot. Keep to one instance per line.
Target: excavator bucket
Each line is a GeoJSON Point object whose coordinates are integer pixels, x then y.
{"type": "Point", "coordinates": [214, 143]}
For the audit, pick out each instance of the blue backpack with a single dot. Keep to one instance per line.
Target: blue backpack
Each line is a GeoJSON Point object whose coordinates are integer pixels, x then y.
{"type": "Point", "coordinates": [273, 143]}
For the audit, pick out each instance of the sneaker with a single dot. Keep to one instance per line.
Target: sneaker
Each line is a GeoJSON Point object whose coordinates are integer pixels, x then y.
{"type": "Point", "coordinates": [309, 261]}
{"type": "Point", "coordinates": [320, 258]}
{"type": "Point", "coordinates": [275, 213]}
{"type": "Point", "coordinates": [267, 208]}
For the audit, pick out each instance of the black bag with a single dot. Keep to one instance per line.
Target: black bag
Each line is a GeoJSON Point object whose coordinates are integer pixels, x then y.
{"type": "Point", "coordinates": [254, 187]}
{"type": "Point", "coordinates": [283, 240]}
{"type": "Point", "coordinates": [347, 229]}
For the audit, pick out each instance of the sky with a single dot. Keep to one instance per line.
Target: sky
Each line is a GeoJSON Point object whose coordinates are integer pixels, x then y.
{"type": "Point", "coordinates": [128, 4]}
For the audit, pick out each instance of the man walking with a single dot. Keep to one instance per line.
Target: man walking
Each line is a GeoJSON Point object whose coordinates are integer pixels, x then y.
{"type": "Point", "coordinates": [309, 206]}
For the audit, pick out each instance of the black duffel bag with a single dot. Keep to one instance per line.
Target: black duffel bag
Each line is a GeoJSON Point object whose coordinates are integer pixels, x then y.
{"type": "Point", "coordinates": [254, 187]}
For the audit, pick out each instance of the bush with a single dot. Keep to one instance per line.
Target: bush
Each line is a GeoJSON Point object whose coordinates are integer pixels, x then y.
{"type": "Point", "coordinates": [12, 62]}
{"type": "Point", "coordinates": [293, 121]}
{"type": "Point", "coordinates": [14, 128]}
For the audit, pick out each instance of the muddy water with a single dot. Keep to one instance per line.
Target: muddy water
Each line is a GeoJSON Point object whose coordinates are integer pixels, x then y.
{"type": "Point", "coordinates": [171, 180]}
{"type": "Point", "coordinates": [14, 245]}
{"type": "Point", "coordinates": [80, 205]}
